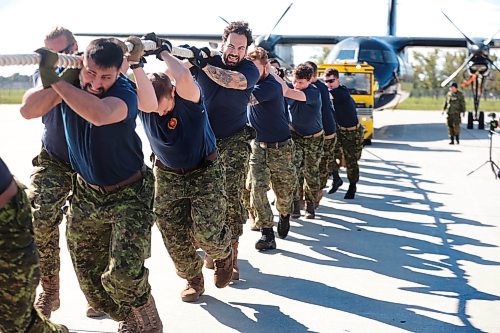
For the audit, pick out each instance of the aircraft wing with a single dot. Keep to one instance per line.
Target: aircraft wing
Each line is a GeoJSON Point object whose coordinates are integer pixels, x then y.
{"type": "Point", "coordinates": [400, 43]}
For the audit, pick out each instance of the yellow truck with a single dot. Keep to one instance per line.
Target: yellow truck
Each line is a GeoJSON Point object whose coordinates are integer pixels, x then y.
{"type": "Point", "coordinates": [359, 79]}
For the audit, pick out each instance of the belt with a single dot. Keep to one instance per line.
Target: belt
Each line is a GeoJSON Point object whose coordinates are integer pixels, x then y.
{"type": "Point", "coordinates": [275, 145]}
{"type": "Point", "coordinates": [353, 128]}
{"type": "Point", "coordinates": [106, 189]}
{"type": "Point", "coordinates": [8, 194]}
{"type": "Point", "coordinates": [315, 135]}
{"type": "Point", "coordinates": [181, 171]}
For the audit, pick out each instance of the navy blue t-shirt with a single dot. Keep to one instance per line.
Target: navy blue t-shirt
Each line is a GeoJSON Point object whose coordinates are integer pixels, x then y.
{"type": "Point", "coordinates": [345, 107]}
{"type": "Point", "coordinates": [183, 137]}
{"type": "Point", "coordinates": [268, 117]}
{"type": "Point", "coordinates": [227, 108]}
{"type": "Point", "coordinates": [5, 176]}
{"type": "Point", "coordinates": [306, 115]}
{"type": "Point", "coordinates": [53, 136]}
{"type": "Point", "coordinates": [105, 155]}
{"type": "Point", "coordinates": [327, 113]}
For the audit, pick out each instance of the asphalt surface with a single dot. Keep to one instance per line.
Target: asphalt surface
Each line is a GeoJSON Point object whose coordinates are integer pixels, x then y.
{"type": "Point", "coordinates": [416, 251]}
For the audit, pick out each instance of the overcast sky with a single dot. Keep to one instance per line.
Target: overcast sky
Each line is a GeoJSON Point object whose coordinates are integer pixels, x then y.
{"type": "Point", "coordinates": [24, 23]}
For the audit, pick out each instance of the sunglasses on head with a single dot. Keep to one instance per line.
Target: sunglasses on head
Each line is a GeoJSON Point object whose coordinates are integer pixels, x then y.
{"type": "Point", "coordinates": [330, 81]}
{"type": "Point", "coordinates": [67, 49]}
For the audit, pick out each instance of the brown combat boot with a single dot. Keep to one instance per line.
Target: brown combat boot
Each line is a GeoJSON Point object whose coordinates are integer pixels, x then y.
{"type": "Point", "coordinates": [143, 319]}
{"type": "Point", "coordinates": [223, 271]}
{"type": "Point", "coordinates": [93, 313]}
{"type": "Point", "coordinates": [236, 270]}
{"type": "Point", "coordinates": [209, 262]}
{"type": "Point", "coordinates": [310, 210]}
{"type": "Point", "coordinates": [194, 289]}
{"type": "Point", "coordinates": [48, 300]}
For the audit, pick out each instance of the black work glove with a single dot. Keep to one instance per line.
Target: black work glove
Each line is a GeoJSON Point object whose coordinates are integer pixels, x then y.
{"type": "Point", "coordinates": [138, 51]}
{"type": "Point", "coordinates": [198, 59]}
{"type": "Point", "coordinates": [152, 37]}
{"type": "Point", "coordinates": [48, 60]}
{"type": "Point", "coordinates": [165, 46]}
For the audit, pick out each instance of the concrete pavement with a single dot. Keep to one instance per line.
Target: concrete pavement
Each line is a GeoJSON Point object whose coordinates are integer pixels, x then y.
{"type": "Point", "coordinates": [416, 251]}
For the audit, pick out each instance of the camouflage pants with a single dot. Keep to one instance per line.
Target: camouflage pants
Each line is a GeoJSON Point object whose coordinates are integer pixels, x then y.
{"type": "Point", "coordinates": [190, 206]}
{"type": "Point", "coordinates": [453, 121]}
{"type": "Point", "coordinates": [50, 186]}
{"type": "Point", "coordinates": [19, 273]}
{"type": "Point", "coordinates": [109, 237]}
{"type": "Point", "coordinates": [326, 163]}
{"type": "Point", "coordinates": [351, 143]}
{"type": "Point", "coordinates": [307, 156]}
{"type": "Point", "coordinates": [234, 153]}
{"type": "Point", "coordinates": [275, 166]}
{"type": "Point", "coordinates": [246, 192]}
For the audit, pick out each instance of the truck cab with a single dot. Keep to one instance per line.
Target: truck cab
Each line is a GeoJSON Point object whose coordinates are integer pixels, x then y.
{"type": "Point", "coordinates": [359, 79]}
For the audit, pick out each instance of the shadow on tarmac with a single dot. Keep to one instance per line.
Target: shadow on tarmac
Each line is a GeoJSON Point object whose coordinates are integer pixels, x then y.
{"type": "Point", "coordinates": [363, 245]}
{"type": "Point", "coordinates": [425, 132]}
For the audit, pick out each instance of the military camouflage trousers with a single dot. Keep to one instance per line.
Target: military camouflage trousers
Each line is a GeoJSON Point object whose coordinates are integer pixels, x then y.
{"type": "Point", "coordinates": [19, 273]}
{"type": "Point", "coordinates": [326, 163]}
{"type": "Point", "coordinates": [275, 166]}
{"type": "Point", "coordinates": [307, 157]}
{"type": "Point", "coordinates": [351, 145]}
{"type": "Point", "coordinates": [109, 237]}
{"type": "Point", "coordinates": [234, 153]}
{"type": "Point", "coordinates": [453, 121]}
{"type": "Point", "coordinates": [192, 205]}
{"type": "Point", "coordinates": [50, 186]}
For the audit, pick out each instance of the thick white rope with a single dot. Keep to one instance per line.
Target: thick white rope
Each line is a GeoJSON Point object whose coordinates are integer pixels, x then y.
{"type": "Point", "coordinates": [72, 61]}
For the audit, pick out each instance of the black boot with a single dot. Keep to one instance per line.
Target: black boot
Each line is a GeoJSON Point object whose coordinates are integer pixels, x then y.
{"type": "Point", "coordinates": [267, 241]}
{"type": "Point", "coordinates": [310, 210]}
{"type": "Point", "coordinates": [296, 209]}
{"type": "Point", "coordinates": [337, 182]}
{"type": "Point", "coordinates": [283, 226]}
{"type": "Point", "coordinates": [458, 140]}
{"type": "Point", "coordinates": [351, 191]}
{"type": "Point", "coordinates": [452, 140]}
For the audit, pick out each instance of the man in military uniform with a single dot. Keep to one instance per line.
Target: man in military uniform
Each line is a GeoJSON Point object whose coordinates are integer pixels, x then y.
{"type": "Point", "coordinates": [272, 154]}
{"type": "Point", "coordinates": [349, 133]}
{"type": "Point", "coordinates": [110, 213]}
{"type": "Point", "coordinates": [19, 273]}
{"type": "Point", "coordinates": [454, 107]}
{"type": "Point", "coordinates": [330, 127]}
{"type": "Point", "coordinates": [304, 100]}
{"type": "Point", "coordinates": [189, 199]}
{"type": "Point", "coordinates": [226, 83]}
{"type": "Point", "coordinates": [50, 185]}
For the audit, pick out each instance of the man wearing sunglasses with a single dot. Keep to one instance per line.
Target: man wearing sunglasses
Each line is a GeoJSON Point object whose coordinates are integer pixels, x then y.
{"type": "Point", "coordinates": [349, 133]}
{"type": "Point", "coordinates": [50, 183]}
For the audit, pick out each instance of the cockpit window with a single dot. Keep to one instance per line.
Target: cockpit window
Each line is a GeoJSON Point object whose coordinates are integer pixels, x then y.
{"type": "Point", "coordinates": [357, 83]}
{"type": "Point", "coordinates": [345, 54]}
{"type": "Point", "coordinates": [371, 56]}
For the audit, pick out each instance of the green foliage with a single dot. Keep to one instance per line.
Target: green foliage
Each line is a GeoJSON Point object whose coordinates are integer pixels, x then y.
{"type": "Point", "coordinates": [11, 96]}
{"type": "Point", "coordinates": [436, 104]}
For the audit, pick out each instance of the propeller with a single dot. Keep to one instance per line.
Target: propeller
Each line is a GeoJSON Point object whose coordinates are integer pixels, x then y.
{"type": "Point", "coordinates": [470, 41]}
{"type": "Point", "coordinates": [278, 22]}
{"type": "Point", "coordinates": [493, 64]}
{"type": "Point", "coordinates": [455, 73]}
{"type": "Point", "coordinates": [488, 41]}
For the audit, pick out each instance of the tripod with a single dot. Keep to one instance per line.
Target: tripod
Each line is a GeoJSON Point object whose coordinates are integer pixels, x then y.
{"type": "Point", "coordinates": [494, 166]}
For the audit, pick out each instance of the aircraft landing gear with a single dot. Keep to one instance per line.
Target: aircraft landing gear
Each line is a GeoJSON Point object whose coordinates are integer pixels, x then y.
{"type": "Point", "coordinates": [481, 120]}
{"type": "Point", "coordinates": [471, 120]}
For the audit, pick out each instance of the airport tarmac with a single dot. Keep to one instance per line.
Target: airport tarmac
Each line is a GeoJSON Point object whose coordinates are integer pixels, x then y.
{"type": "Point", "coordinates": [418, 250]}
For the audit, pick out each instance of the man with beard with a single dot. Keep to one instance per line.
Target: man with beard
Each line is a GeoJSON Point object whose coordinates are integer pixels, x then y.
{"type": "Point", "coordinates": [50, 185]}
{"type": "Point", "coordinates": [19, 272]}
{"type": "Point", "coordinates": [227, 82]}
{"type": "Point", "coordinates": [304, 100]}
{"type": "Point", "coordinates": [271, 159]}
{"type": "Point", "coordinates": [110, 213]}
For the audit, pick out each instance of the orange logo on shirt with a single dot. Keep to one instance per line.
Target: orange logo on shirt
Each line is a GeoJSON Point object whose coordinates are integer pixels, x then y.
{"type": "Point", "coordinates": [172, 123]}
